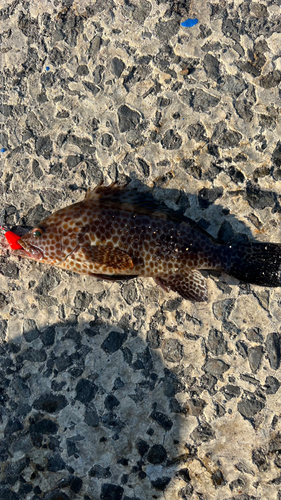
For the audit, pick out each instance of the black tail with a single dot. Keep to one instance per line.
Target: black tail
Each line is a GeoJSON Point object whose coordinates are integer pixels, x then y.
{"type": "Point", "coordinates": [255, 262]}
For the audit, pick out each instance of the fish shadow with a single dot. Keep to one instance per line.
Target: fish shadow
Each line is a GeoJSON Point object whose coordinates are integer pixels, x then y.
{"type": "Point", "coordinates": [206, 210]}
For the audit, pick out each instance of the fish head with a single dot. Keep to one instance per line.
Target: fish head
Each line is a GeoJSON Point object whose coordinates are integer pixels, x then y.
{"type": "Point", "coordinates": [54, 239]}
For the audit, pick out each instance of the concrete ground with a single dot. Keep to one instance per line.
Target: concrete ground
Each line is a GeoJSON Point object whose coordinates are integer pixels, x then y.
{"type": "Point", "coordinates": [120, 391]}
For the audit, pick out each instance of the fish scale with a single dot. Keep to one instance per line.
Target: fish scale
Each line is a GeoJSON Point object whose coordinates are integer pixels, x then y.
{"type": "Point", "coordinates": [117, 233]}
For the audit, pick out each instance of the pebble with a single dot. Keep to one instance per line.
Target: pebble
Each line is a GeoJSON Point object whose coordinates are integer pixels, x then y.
{"type": "Point", "coordinates": [249, 406]}
{"type": "Point", "coordinates": [113, 342]}
{"type": "Point", "coordinates": [273, 349]}
{"type": "Point", "coordinates": [118, 66]}
{"type": "Point", "coordinates": [128, 118]}
{"type": "Point", "coordinates": [172, 350]}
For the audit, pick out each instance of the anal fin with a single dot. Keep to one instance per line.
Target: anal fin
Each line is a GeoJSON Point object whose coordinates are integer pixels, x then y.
{"type": "Point", "coordinates": [191, 285]}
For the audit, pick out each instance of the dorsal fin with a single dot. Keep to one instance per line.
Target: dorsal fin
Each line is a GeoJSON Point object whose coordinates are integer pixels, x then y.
{"type": "Point", "coordinates": [92, 193]}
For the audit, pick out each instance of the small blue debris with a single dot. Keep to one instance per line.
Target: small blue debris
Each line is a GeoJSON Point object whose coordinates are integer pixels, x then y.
{"type": "Point", "coordinates": [47, 68]}
{"type": "Point", "coordinates": [3, 150]}
{"type": "Point", "coordinates": [189, 23]}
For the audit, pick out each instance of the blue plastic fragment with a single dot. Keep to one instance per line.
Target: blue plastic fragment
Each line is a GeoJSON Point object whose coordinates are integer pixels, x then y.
{"type": "Point", "coordinates": [47, 68]}
{"type": "Point", "coordinates": [2, 150]}
{"type": "Point", "coordinates": [189, 23]}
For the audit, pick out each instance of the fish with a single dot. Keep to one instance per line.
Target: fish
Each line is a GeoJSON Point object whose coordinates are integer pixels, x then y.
{"type": "Point", "coordinates": [117, 233]}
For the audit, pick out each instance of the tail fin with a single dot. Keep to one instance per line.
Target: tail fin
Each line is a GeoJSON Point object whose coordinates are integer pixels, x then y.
{"type": "Point", "coordinates": [255, 262]}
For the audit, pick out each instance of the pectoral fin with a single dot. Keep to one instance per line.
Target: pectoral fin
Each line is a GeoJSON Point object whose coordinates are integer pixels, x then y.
{"type": "Point", "coordinates": [108, 256]}
{"type": "Point", "coordinates": [191, 285]}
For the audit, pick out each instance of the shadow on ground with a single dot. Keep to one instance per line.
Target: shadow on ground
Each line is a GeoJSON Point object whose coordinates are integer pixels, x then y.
{"type": "Point", "coordinates": [84, 411]}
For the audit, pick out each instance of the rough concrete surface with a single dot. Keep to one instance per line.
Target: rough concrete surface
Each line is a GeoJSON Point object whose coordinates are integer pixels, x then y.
{"type": "Point", "coordinates": [122, 391]}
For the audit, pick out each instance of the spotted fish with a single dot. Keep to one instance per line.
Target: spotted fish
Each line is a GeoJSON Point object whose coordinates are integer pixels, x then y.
{"type": "Point", "coordinates": [117, 233]}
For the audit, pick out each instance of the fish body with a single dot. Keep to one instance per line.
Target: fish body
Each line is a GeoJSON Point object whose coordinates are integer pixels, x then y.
{"type": "Point", "coordinates": [116, 234]}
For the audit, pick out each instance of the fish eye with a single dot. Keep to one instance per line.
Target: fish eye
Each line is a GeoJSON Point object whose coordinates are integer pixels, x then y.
{"type": "Point", "coordinates": [37, 232]}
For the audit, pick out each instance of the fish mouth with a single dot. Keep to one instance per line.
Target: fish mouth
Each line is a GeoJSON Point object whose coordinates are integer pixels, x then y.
{"type": "Point", "coordinates": [29, 251]}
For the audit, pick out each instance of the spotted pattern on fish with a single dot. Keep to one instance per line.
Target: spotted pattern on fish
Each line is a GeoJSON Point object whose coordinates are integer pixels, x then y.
{"type": "Point", "coordinates": [117, 233]}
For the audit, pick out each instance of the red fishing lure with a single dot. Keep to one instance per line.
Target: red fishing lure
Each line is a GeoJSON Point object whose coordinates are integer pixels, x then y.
{"type": "Point", "coordinates": [12, 239]}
